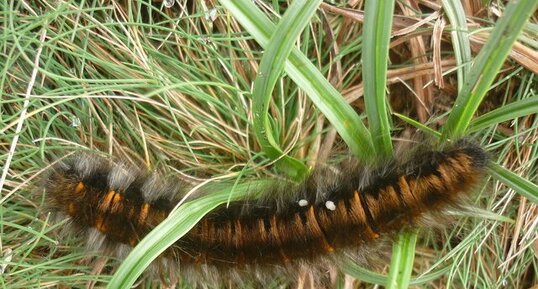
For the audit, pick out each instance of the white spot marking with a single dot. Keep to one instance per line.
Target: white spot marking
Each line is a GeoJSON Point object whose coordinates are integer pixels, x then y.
{"type": "Point", "coordinates": [303, 203]}
{"type": "Point", "coordinates": [330, 205]}
{"type": "Point", "coordinates": [169, 3]}
{"type": "Point", "coordinates": [75, 121]}
{"type": "Point", "coordinates": [211, 14]}
{"type": "Point", "coordinates": [7, 256]}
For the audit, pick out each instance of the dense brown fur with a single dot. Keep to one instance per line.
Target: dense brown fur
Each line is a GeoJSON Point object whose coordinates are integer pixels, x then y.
{"type": "Point", "coordinates": [350, 210]}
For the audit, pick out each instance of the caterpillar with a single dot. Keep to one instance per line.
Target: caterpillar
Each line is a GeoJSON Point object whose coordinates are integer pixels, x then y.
{"type": "Point", "coordinates": [345, 209]}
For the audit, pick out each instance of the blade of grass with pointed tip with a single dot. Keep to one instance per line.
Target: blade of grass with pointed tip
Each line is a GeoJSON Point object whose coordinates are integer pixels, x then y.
{"type": "Point", "coordinates": [504, 113]}
{"type": "Point", "coordinates": [329, 101]}
{"type": "Point", "coordinates": [178, 223]}
{"type": "Point", "coordinates": [418, 125]}
{"type": "Point", "coordinates": [375, 51]}
{"type": "Point", "coordinates": [296, 18]}
{"type": "Point", "coordinates": [522, 186]}
{"type": "Point", "coordinates": [487, 64]}
{"type": "Point", "coordinates": [366, 275]}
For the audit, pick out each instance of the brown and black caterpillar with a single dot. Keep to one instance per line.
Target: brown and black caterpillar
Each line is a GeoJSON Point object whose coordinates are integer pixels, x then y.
{"type": "Point", "coordinates": [344, 210]}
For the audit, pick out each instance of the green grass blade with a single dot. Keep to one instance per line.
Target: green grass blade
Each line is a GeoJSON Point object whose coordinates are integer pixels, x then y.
{"type": "Point", "coordinates": [487, 64]}
{"type": "Point", "coordinates": [272, 64]}
{"type": "Point", "coordinates": [375, 51]}
{"type": "Point", "coordinates": [178, 223]}
{"type": "Point", "coordinates": [510, 111]}
{"type": "Point", "coordinates": [418, 125]}
{"type": "Point", "coordinates": [460, 38]}
{"type": "Point", "coordinates": [329, 101]}
{"type": "Point", "coordinates": [401, 263]}
{"type": "Point", "coordinates": [366, 275]}
{"type": "Point", "coordinates": [523, 186]}
{"type": "Point", "coordinates": [360, 273]}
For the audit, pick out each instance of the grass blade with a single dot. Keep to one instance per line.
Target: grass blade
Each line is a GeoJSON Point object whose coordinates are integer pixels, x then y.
{"type": "Point", "coordinates": [272, 64]}
{"type": "Point", "coordinates": [329, 101]}
{"type": "Point", "coordinates": [401, 263]}
{"type": "Point", "coordinates": [366, 275]}
{"type": "Point", "coordinates": [487, 64]}
{"type": "Point", "coordinates": [377, 28]}
{"type": "Point", "coordinates": [510, 111]}
{"type": "Point", "coordinates": [523, 186]}
{"type": "Point", "coordinates": [178, 223]}
{"type": "Point", "coordinates": [375, 51]}
{"type": "Point", "coordinates": [418, 125]}
{"type": "Point", "coordinates": [460, 38]}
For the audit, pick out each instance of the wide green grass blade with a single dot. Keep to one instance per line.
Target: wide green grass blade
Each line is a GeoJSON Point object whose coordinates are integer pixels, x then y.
{"type": "Point", "coordinates": [487, 64]}
{"type": "Point", "coordinates": [375, 52]}
{"type": "Point", "coordinates": [460, 38]}
{"type": "Point", "coordinates": [402, 258]}
{"type": "Point", "coordinates": [523, 186]}
{"type": "Point", "coordinates": [178, 223]}
{"type": "Point", "coordinates": [272, 64]}
{"type": "Point", "coordinates": [329, 101]}
{"type": "Point", "coordinates": [507, 112]}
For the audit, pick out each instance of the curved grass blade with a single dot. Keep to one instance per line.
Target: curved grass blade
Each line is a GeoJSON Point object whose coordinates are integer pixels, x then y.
{"type": "Point", "coordinates": [329, 101]}
{"type": "Point", "coordinates": [487, 64]}
{"type": "Point", "coordinates": [504, 113]}
{"type": "Point", "coordinates": [178, 223]}
{"type": "Point", "coordinates": [523, 186]}
{"type": "Point", "coordinates": [366, 275]}
{"type": "Point", "coordinates": [272, 64]}
{"type": "Point", "coordinates": [375, 52]}
{"type": "Point", "coordinates": [418, 125]}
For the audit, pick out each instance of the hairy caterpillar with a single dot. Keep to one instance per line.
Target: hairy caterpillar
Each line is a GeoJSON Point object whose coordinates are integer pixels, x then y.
{"type": "Point", "coordinates": [336, 211]}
